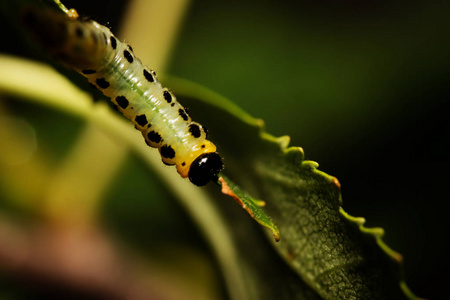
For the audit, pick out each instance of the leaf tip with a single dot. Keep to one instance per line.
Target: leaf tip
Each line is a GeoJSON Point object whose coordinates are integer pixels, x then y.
{"type": "Point", "coordinates": [276, 234]}
{"type": "Point", "coordinates": [248, 204]}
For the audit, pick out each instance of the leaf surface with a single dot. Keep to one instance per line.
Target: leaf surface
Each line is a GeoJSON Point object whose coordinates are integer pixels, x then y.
{"type": "Point", "coordinates": [330, 250]}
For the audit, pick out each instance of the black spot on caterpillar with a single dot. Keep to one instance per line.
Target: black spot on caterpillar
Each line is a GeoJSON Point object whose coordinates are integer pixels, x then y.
{"type": "Point", "coordinates": [122, 101]}
{"type": "Point", "coordinates": [102, 83]}
{"type": "Point", "coordinates": [148, 76]}
{"type": "Point", "coordinates": [128, 56]}
{"type": "Point", "coordinates": [110, 65]}
{"type": "Point", "coordinates": [141, 120]}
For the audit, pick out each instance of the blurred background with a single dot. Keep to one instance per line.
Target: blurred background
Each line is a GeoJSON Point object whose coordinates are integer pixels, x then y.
{"type": "Point", "coordinates": [361, 87]}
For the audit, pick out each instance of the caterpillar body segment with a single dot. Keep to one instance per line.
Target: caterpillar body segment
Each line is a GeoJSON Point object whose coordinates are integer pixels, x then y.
{"type": "Point", "coordinates": [111, 66]}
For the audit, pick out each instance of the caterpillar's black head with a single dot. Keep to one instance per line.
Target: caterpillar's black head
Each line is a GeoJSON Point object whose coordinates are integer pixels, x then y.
{"type": "Point", "coordinates": [205, 168]}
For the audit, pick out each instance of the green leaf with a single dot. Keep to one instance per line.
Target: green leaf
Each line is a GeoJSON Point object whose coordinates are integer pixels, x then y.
{"type": "Point", "coordinates": [331, 251]}
{"type": "Point", "coordinates": [249, 204]}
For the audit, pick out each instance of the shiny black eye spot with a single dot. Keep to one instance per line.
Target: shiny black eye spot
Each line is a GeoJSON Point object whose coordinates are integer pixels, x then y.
{"type": "Point", "coordinates": [195, 130]}
{"type": "Point", "coordinates": [203, 146]}
{"type": "Point", "coordinates": [113, 42]}
{"type": "Point", "coordinates": [154, 137]}
{"type": "Point", "coordinates": [167, 96]}
{"type": "Point", "coordinates": [87, 72]}
{"type": "Point", "coordinates": [141, 120]}
{"type": "Point", "coordinates": [183, 163]}
{"type": "Point", "coordinates": [122, 101]}
{"type": "Point", "coordinates": [167, 152]}
{"type": "Point", "coordinates": [102, 83]}
{"type": "Point", "coordinates": [148, 76]}
{"type": "Point", "coordinates": [128, 56]}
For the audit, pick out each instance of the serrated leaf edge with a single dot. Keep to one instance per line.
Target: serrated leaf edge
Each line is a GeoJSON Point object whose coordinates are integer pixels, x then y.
{"type": "Point", "coordinates": [377, 233]}
{"type": "Point", "coordinates": [208, 96]}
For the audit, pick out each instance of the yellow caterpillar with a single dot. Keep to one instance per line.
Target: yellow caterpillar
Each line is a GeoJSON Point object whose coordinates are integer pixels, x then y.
{"type": "Point", "coordinates": [110, 65]}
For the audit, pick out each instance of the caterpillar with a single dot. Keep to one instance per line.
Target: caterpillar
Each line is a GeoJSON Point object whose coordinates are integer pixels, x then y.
{"type": "Point", "coordinates": [111, 66]}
